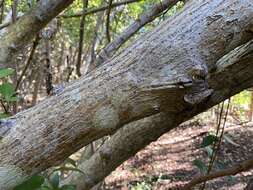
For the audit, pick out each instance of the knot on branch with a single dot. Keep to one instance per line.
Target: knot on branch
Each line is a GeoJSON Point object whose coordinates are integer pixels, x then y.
{"type": "Point", "coordinates": [200, 89]}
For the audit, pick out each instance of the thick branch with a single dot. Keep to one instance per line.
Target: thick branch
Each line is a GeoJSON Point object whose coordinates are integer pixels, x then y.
{"type": "Point", "coordinates": [20, 33]}
{"type": "Point", "coordinates": [123, 144]}
{"type": "Point", "coordinates": [135, 136]}
{"type": "Point", "coordinates": [157, 73]}
{"type": "Point", "coordinates": [87, 12]}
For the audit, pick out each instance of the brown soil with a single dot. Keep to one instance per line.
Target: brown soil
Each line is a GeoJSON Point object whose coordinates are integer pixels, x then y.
{"type": "Point", "coordinates": [167, 163]}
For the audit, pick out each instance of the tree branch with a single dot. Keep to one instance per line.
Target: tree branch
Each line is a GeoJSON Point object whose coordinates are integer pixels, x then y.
{"type": "Point", "coordinates": [99, 9]}
{"type": "Point", "coordinates": [143, 19]}
{"type": "Point", "coordinates": [28, 62]}
{"type": "Point", "coordinates": [80, 45]}
{"type": "Point", "coordinates": [136, 135]}
{"type": "Point", "coordinates": [244, 166]}
{"type": "Point", "coordinates": [155, 74]}
{"type": "Point", "coordinates": [21, 32]}
{"type": "Point", "coordinates": [108, 12]}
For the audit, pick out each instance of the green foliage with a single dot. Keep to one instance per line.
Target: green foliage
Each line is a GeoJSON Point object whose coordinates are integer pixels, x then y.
{"type": "Point", "coordinates": [207, 145]}
{"type": "Point", "coordinates": [6, 72]}
{"type": "Point", "coordinates": [4, 115]}
{"type": "Point", "coordinates": [242, 99]}
{"type": "Point", "coordinates": [209, 140]}
{"type": "Point", "coordinates": [55, 180]}
{"type": "Point", "coordinates": [39, 182]}
{"type": "Point", "coordinates": [68, 187]}
{"type": "Point", "coordinates": [7, 91]}
{"type": "Point", "coordinates": [200, 165]}
{"type": "Point", "coordinates": [241, 103]}
{"type": "Point", "coordinates": [50, 181]}
{"type": "Point", "coordinates": [33, 183]}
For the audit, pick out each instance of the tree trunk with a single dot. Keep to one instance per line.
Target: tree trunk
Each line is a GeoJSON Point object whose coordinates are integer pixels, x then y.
{"type": "Point", "coordinates": [135, 136]}
{"type": "Point", "coordinates": [171, 70]}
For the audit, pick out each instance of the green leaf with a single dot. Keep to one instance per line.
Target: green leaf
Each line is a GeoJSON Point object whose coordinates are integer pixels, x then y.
{"type": "Point", "coordinates": [229, 140]}
{"type": "Point", "coordinates": [7, 90]}
{"type": "Point", "coordinates": [209, 151]}
{"type": "Point", "coordinates": [4, 115]}
{"type": "Point", "coordinates": [6, 72]}
{"type": "Point", "coordinates": [31, 184]}
{"type": "Point", "coordinates": [55, 179]}
{"type": "Point", "coordinates": [12, 99]}
{"type": "Point", "coordinates": [45, 188]}
{"type": "Point", "coordinates": [68, 187]}
{"type": "Point", "coordinates": [209, 140]}
{"type": "Point", "coordinates": [200, 165]}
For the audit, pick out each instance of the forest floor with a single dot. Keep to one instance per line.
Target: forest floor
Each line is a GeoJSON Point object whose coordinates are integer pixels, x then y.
{"type": "Point", "coordinates": [168, 162]}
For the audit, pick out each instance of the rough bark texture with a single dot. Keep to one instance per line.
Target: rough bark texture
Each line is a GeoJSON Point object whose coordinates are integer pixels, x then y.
{"type": "Point", "coordinates": [20, 33]}
{"type": "Point", "coordinates": [165, 70]}
{"type": "Point", "coordinates": [135, 136]}
{"type": "Point", "coordinates": [123, 144]}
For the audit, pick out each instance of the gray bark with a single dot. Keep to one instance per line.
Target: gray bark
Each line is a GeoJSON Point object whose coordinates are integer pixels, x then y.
{"type": "Point", "coordinates": [133, 137]}
{"type": "Point", "coordinates": [171, 69]}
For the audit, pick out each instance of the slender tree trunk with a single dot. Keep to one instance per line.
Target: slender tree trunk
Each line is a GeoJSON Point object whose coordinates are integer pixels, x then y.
{"type": "Point", "coordinates": [80, 45]}
{"type": "Point", "coordinates": [14, 9]}
{"type": "Point", "coordinates": [100, 20]}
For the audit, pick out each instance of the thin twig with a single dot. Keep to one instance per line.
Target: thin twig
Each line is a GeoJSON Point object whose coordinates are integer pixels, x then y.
{"type": "Point", "coordinates": [108, 21]}
{"type": "Point", "coordinates": [2, 11]}
{"type": "Point", "coordinates": [218, 144]}
{"type": "Point", "coordinates": [14, 8]}
{"type": "Point", "coordinates": [4, 107]}
{"type": "Point", "coordinates": [86, 12]}
{"type": "Point", "coordinates": [214, 147]}
{"type": "Point", "coordinates": [142, 20]}
{"type": "Point", "coordinates": [81, 35]}
{"type": "Point", "coordinates": [28, 62]}
{"type": "Point", "coordinates": [95, 10]}
{"type": "Point", "coordinates": [244, 166]}
{"type": "Point", "coordinates": [100, 20]}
